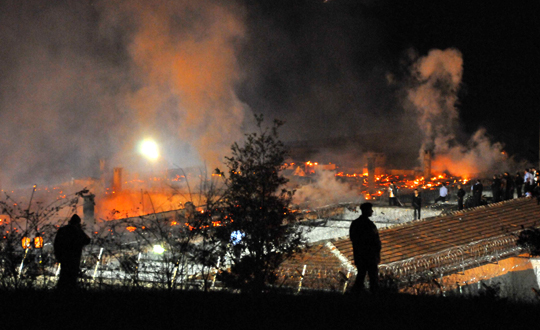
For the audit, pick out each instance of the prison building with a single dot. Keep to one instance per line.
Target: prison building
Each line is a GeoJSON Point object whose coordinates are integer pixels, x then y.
{"type": "Point", "coordinates": [462, 252]}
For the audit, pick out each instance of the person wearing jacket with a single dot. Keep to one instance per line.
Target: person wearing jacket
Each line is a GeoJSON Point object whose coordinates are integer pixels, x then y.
{"type": "Point", "coordinates": [417, 204]}
{"type": "Point", "coordinates": [68, 245]}
{"type": "Point", "coordinates": [477, 190]}
{"type": "Point", "coordinates": [443, 192]}
{"type": "Point", "coordinates": [366, 248]}
{"type": "Point", "coordinates": [460, 195]}
{"type": "Point", "coordinates": [518, 182]}
{"type": "Point", "coordinates": [496, 188]}
{"type": "Point", "coordinates": [508, 186]}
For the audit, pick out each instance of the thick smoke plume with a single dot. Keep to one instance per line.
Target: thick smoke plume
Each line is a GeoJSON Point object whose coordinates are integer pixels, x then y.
{"type": "Point", "coordinates": [433, 96]}
{"type": "Point", "coordinates": [87, 80]}
{"type": "Point", "coordinates": [182, 53]}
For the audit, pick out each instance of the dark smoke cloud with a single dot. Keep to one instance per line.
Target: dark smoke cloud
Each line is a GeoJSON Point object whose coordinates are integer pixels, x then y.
{"type": "Point", "coordinates": [323, 68]}
{"type": "Point", "coordinates": [317, 65]}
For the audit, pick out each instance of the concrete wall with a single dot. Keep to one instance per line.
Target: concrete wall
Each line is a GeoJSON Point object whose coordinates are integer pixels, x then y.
{"type": "Point", "coordinates": [387, 216]}
{"type": "Point", "coordinates": [512, 278]}
{"type": "Point", "coordinates": [339, 225]}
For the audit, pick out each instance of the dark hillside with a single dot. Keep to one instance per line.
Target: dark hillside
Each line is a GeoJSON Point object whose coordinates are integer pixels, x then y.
{"type": "Point", "coordinates": [195, 310]}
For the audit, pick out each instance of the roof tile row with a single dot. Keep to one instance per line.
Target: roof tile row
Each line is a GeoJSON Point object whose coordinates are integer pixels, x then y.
{"type": "Point", "coordinates": [474, 234]}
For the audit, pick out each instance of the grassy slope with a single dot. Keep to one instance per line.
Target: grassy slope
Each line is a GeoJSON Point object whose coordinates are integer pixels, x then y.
{"type": "Point", "coordinates": [195, 310]}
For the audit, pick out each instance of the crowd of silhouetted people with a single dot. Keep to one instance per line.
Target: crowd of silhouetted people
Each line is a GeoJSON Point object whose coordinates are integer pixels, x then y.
{"type": "Point", "coordinates": [365, 236]}
{"type": "Point", "coordinates": [505, 186]}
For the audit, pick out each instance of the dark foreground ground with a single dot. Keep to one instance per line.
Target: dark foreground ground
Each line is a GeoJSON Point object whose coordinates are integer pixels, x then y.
{"type": "Point", "coordinates": [196, 310]}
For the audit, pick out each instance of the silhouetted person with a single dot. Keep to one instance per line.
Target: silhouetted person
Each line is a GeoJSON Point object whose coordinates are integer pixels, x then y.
{"type": "Point", "coordinates": [443, 192]}
{"type": "Point", "coordinates": [536, 192]}
{"type": "Point", "coordinates": [68, 245]}
{"type": "Point", "coordinates": [477, 189]}
{"type": "Point", "coordinates": [508, 186]}
{"type": "Point", "coordinates": [502, 194]}
{"type": "Point", "coordinates": [417, 204]}
{"type": "Point", "coordinates": [496, 188]}
{"type": "Point", "coordinates": [366, 248]}
{"type": "Point", "coordinates": [460, 195]}
{"type": "Point", "coordinates": [529, 181]}
{"type": "Point", "coordinates": [518, 182]}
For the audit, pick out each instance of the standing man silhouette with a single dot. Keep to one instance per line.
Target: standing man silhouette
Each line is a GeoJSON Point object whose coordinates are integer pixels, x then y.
{"type": "Point", "coordinates": [366, 248]}
{"type": "Point", "coordinates": [417, 204]}
{"type": "Point", "coordinates": [477, 189]}
{"type": "Point", "coordinates": [68, 245]}
{"type": "Point", "coordinates": [460, 195]}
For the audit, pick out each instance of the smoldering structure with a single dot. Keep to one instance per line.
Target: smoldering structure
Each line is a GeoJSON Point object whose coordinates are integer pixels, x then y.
{"type": "Point", "coordinates": [174, 71]}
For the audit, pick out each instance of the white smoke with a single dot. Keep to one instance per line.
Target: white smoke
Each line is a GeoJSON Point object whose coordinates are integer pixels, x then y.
{"type": "Point", "coordinates": [433, 96]}
{"type": "Point", "coordinates": [325, 190]}
{"type": "Point", "coordinates": [436, 80]}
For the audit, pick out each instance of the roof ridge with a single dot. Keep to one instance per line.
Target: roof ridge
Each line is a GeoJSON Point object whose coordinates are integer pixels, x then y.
{"type": "Point", "coordinates": [344, 260]}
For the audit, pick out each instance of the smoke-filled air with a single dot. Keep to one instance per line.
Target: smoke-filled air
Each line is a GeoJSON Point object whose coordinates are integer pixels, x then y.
{"type": "Point", "coordinates": [88, 80]}
{"type": "Point", "coordinates": [433, 97]}
{"type": "Point", "coordinates": [325, 190]}
{"type": "Point", "coordinates": [84, 81]}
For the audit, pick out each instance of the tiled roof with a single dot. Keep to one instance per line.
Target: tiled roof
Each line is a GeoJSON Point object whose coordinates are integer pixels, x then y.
{"type": "Point", "coordinates": [323, 268]}
{"type": "Point", "coordinates": [480, 232]}
{"type": "Point", "coordinates": [441, 245]}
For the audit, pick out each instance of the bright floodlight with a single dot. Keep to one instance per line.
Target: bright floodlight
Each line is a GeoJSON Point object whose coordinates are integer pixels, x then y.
{"type": "Point", "coordinates": [158, 249]}
{"type": "Point", "coordinates": [149, 149]}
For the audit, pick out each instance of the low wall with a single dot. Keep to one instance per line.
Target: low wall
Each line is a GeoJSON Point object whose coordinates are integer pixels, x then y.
{"type": "Point", "coordinates": [387, 216]}
{"type": "Point", "coordinates": [515, 279]}
{"type": "Point", "coordinates": [338, 224]}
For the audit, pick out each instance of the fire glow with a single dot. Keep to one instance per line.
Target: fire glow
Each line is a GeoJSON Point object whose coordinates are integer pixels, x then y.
{"type": "Point", "coordinates": [381, 182]}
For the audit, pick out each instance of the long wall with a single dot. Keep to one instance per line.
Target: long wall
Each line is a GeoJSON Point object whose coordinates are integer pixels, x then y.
{"type": "Point", "coordinates": [515, 278]}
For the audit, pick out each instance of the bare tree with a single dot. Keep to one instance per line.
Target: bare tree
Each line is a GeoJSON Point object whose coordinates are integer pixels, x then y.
{"type": "Point", "coordinates": [26, 254]}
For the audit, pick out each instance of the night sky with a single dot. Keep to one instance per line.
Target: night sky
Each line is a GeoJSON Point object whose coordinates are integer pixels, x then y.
{"type": "Point", "coordinates": [348, 47]}
{"type": "Point", "coordinates": [85, 80]}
